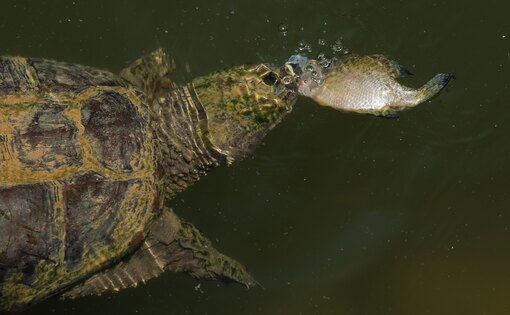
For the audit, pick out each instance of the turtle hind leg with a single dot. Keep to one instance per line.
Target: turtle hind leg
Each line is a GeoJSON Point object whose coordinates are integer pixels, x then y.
{"type": "Point", "coordinates": [173, 245]}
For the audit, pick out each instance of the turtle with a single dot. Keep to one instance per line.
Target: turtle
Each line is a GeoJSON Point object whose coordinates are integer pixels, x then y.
{"type": "Point", "coordinates": [89, 161]}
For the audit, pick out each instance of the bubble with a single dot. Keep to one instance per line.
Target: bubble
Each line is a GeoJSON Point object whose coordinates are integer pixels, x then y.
{"type": "Point", "coordinates": [322, 42]}
{"type": "Point", "coordinates": [303, 46]}
{"type": "Point", "coordinates": [283, 28]}
{"type": "Point", "coordinates": [286, 80]}
{"type": "Point", "coordinates": [324, 61]}
{"type": "Point", "coordinates": [338, 47]}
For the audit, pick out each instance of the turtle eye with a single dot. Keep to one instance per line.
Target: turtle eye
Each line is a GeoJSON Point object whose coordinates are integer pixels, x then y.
{"type": "Point", "coordinates": [270, 78]}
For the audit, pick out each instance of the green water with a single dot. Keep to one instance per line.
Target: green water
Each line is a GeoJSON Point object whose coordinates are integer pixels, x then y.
{"type": "Point", "coordinates": [335, 213]}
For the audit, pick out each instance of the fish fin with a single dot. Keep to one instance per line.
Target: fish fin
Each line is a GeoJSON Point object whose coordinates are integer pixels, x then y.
{"type": "Point", "coordinates": [400, 71]}
{"type": "Point", "coordinates": [413, 97]}
{"type": "Point", "coordinates": [389, 115]}
{"type": "Point", "coordinates": [433, 87]}
{"type": "Point", "coordinates": [174, 245]}
{"type": "Point", "coordinates": [320, 101]}
{"type": "Point", "coordinates": [394, 68]}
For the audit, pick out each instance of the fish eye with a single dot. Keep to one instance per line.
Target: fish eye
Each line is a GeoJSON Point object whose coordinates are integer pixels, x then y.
{"type": "Point", "coordinates": [270, 78]}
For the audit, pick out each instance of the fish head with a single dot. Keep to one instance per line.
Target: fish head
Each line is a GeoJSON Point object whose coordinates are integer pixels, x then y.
{"type": "Point", "coordinates": [310, 74]}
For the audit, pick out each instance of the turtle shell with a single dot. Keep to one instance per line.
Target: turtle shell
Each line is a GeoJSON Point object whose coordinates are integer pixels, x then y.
{"type": "Point", "coordinates": [77, 175]}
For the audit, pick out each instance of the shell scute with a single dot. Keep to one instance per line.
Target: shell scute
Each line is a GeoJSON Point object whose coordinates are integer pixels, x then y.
{"type": "Point", "coordinates": [48, 139]}
{"type": "Point", "coordinates": [77, 175]}
{"type": "Point", "coordinates": [91, 220]}
{"type": "Point", "coordinates": [113, 129]}
{"type": "Point", "coordinates": [13, 76]}
{"type": "Point", "coordinates": [26, 221]}
{"type": "Point", "coordinates": [66, 77]}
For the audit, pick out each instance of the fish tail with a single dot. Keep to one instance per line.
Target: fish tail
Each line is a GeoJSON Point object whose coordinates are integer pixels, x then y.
{"type": "Point", "coordinates": [429, 90]}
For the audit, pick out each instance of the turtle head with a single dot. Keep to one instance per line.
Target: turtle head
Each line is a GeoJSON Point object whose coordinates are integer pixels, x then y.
{"type": "Point", "coordinates": [244, 103]}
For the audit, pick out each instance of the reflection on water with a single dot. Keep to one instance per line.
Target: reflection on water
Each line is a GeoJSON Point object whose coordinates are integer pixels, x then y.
{"type": "Point", "coordinates": [350, 250]}
{"type": "Point", "coordinates": [461, 285]}
{"type": "Point", "coordinates": [336, 213]}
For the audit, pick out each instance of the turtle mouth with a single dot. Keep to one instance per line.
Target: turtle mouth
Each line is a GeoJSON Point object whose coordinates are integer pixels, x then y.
{"type": "Point", "coordinates": [287, 86]}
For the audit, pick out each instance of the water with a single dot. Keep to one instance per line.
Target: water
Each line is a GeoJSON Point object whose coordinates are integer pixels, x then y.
{"type": "Point", "coordinates": [336, 213]}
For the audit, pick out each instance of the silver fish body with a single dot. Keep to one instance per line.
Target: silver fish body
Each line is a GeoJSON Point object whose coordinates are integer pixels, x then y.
{"type": "Point", "coordinates": [365, 84]}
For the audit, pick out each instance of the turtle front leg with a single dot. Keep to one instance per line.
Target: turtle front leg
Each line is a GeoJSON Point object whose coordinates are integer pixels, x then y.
{"type": "Point", "coordinates": [172, 244]}
{"type": "Point", "coordinates": [148, 73]}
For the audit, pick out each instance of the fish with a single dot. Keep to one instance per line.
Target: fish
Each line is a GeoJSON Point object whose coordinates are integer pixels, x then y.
{"type": "Point", "coordinates": [362, 84]}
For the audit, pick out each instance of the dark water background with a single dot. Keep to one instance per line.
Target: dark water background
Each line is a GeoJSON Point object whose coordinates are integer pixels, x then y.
{"type": "Point", "coordinates": [336, 213]}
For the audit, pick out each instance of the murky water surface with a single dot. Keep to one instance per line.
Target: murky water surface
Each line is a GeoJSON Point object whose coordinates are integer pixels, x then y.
{"type": "Point", "coordinates": [336, 213]}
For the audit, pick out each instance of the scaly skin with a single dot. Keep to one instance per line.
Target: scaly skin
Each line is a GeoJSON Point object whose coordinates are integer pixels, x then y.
{"type": "Point", "coordinates": [214, 120]}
